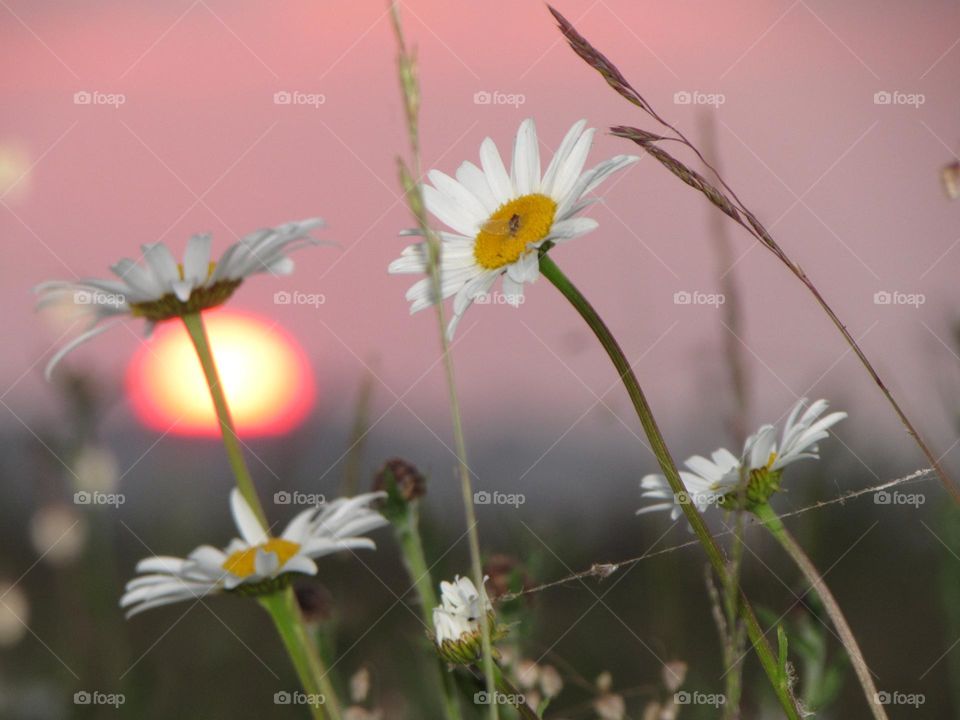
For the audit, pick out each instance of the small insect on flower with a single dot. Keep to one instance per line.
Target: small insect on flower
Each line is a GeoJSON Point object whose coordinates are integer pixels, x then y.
{"type": "Point", "coordinates": [751, 479]}
{"type": "Point", "coordinates": [164, 289]}
{"type": "Point", "coordinates": [500, 221]}
{"type": "Point", "coordinates": [257, 564]}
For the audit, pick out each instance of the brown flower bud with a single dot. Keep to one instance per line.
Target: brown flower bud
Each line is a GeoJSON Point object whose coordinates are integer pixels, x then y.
{"type": "Point", "coordinates": [409, 481]}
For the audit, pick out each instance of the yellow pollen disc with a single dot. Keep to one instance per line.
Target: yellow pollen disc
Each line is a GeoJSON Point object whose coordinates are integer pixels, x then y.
{"type": "Point", "coordinates": [242, 563]}
{"type": "Point", "coordinates": [504, 238]}
{"type": "Point", "coordinates": [771, 459]}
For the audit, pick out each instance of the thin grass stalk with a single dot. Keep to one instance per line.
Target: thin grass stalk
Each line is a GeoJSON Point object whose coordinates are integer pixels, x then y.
{"type": "Point", "coordinates": [771, 521]}
{"type": "Point", "coordinates": [407, 529]}
{"type": "Point", "coordinates": [781, 687]}
{"type": "Point", "coordinates": [733, 350]}
{"type": "Point", "coordinates": [736, 367]}
{"type": "Point", "coordinates": [282, 606]}
{"type": "Point", "coordinates": [358, 436]}
{"type": "Point", "coordinates": [737, 211]}
{"type": "Point", "coordinates": [410, 181]}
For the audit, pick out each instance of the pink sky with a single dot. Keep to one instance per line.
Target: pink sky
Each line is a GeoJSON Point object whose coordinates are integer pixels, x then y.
{"type": "Point", "coordinates": [850, 188]}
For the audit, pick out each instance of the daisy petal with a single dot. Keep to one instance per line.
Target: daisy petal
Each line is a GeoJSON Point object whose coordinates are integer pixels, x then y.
{"type": "Point", "coordinates": [246, 521]}
{"type": "Point", "coordinates": [525, 171]}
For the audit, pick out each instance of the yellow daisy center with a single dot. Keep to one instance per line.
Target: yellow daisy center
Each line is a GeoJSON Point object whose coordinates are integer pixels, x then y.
{"type": "Point", "coordinates": [242, 563]}
{"type": "Point", "coordinates": [771, 460]}
{"type": "Point", "coordinates": [504, 238]}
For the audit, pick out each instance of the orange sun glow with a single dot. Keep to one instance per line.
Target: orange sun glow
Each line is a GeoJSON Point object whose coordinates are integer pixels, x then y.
{"type": "Point", "coordinates": [265, 375]}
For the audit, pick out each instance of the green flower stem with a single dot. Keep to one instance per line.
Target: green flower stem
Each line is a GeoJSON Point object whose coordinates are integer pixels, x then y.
{"type": "Point", "coordinates": [285, 613]}
{"type": "Point", "coordinates": [407, 530]}
{"type": "Point", "coordinates": [281, 606]}
{"type": "Point", "coordinates": [198, 334]}
{"type": "Point", "coordinates": [772, 522]}
{"type": "Point", "coordinates": [767, 658]}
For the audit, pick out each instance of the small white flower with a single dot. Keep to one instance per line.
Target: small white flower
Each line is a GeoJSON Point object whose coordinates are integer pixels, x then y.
{"type": "Point", "coordinates": [163, 289]}
{"type": "Point", "coordinates": [709, 481]}
{"type": "Point", "coordinates": [706, 483]}
{"type": "Point", "coordinates": [460, 610]}
{"type": "Point", "coordinates": [801, 434]}
{"type": "Point", "coordinates": [251, 564]}
{"type": "Point", "coordinates": [500, 220]}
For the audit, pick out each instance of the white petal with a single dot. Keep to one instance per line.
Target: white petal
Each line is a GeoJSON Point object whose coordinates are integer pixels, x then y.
{"type": "Point", "coordinates": [266, 563]}
{"type": "Point", "coordinates": [525, 172]}
{"type": "Point", "coordinates": [592, 178]}
{"type": "Point", "coordinates": [473, 179]}
{"type": "Point", "coordinates": [526, 269]}
{"type": "Point", "coordinates": [568, 173]}
{"type": "Point", "coordinates": [300, 564]}
{"type": "Point", "coordinates": [512, 291]}
{"type": "Point", "coordinates": [160, 564]}
{"type": "Point", "coordinates": [74, 344]}
{"type": "Point", "coordinates": [497, 178]}
{"type": "Point", "coordinates": [141, 281]}
{"type": "Point", "coordinates": [182, 289]}
{"type": "Point", "coordinates": [196, 259]}
{"type": "Point", "coordinates": [450, 212]}
{"type": "Point", "coordinates": [297, 529]}
{"type": "Point", "coordinates": [571, 228]}
{"type": "Point", "coordinates": [560, 157]}
{"type": "Point", "coordinates": [247, 523]}
{"type": "Point", "coordinates": [161, 263]}
{"type": "Point", "coordinates": [467, 201]}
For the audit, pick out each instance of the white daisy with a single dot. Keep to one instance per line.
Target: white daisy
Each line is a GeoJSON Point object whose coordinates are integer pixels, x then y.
{"type": "Point", "coordinates": [710, 481]}
{"type": "Point", "coordinates": [706, 483]}
{"type": "Point", "coordinates": [257, 563]}
{"type": "Point", "coordinates": [500, 220]}
{"type": "Point", "coordinates": [460, 609]}
{"type": "Point", "coordinates": [163, 289]}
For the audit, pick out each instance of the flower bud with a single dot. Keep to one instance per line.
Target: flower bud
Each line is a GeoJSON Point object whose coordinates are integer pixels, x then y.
{"type": "Point", "coordinates": [410, 484]}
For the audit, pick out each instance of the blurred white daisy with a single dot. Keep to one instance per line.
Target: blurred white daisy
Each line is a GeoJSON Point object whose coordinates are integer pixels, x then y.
{"type": "Point", "coordinates": [717, 481]}
{"type": "Point", "coordinates": [500, 220]}
{"type": "Point", "coordinates": [162, 289]}
{"type": "Point", "coordinates": [256, 563]}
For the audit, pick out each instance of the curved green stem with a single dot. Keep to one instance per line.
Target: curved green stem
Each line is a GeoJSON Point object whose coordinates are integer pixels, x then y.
{"type": "Point", "coordinates": [553, 273]}
{"type": "Point", "coordinates": [198, 334]}
{"type": "Point", "coordinates": [282, 606]}
{"type": "Point", "coordinates": [771, 521]}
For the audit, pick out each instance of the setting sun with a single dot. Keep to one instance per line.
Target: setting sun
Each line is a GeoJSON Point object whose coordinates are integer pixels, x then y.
{"type": "Point", "coordinates": [265, 374]}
